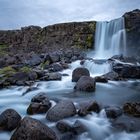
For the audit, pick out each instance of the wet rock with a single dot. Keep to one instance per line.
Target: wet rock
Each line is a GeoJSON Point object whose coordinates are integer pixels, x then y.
{"type": "Point", "coordinates": [63, 126]}
{"type": "Point", "coordinates": [9, 120]}
{"type": "Point", "coordinates": [39, 104]}
{"type": "Point", "coordinates": [68, 136]}
{"type": "Point", "coordinates": [55, 67]}
{"type": "Point", "coordinates": [61, 110]}
{"type": "Point", "coordinates": [78, 72]}
{"type": "Point", "coordinates": [52, 76]}
{"type": "Point", "coordinates": [113, 112]}
{"type": "Point", "coordinates": [30, 89]}
{"type": "Point", "coordinates": [127, 71]}
{"type": "Point", "coordinates": [87, 107]}
{"type": "Point", "coordinates": [132, 109]}
{"type": "Point", "coordinates": [112, 76]}
{"type": "Point", "coordinates": [101, 79]}
{"type": "Point", "coordinates": [85, 83]}
{"type": "Point", "coordinates": [78, 127]}
{"type": "Point", "coordinates": [32, 129]}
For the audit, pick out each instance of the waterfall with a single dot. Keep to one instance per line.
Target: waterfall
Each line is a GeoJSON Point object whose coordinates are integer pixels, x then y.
{"type": "Point", "coordinates": [110, 38]}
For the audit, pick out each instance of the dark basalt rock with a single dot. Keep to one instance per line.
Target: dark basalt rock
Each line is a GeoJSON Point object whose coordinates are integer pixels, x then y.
{"type": "Point", "coordinates": [132, 109]}
{"type": "Point", "coordinates": [61, 110]}
{"type": "Point", "coordinates": [9, 120]}
{"type": "Point", "coordinates": [112, 76]}
{"type": "Point", "coordinates": [32, 129]}
{"type": "Point", "coordinates": [63, 127]}
{"type": "Point", "coordinates": [127, 71]}
{"type": "Point", "coordinates": [87, 107]}
{"type": "Point", "coordinates": [101, 79]}
{"type": "Point", "coordinates": [39, 104]}
{"type": "Point", "coordinates": [52, 76]}
{"type": "Point", "coordinates": [85, 83]}
{"type": "Point", "coordinates": [79, 72]}
{"type": "Point", "coordinates": [55, 67]}
{"type": "Point", "coordinates": [113, 112]}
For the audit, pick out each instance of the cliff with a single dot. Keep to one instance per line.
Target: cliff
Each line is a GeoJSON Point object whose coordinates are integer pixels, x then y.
{"type": "Point", "coordinates": [34, 38]}
{"type": "Point", "coordinates": [132, 24]}
{"type": "Point", "coordinates": [66, 35]}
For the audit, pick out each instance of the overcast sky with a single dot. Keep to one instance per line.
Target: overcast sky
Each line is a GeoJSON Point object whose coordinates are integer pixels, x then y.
{"type": "Point", "coordinates": [17, 13]}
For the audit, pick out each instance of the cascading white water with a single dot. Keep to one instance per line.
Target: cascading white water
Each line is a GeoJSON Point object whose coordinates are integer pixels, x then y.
{"type": "Point", "coordinates": [110, 38]}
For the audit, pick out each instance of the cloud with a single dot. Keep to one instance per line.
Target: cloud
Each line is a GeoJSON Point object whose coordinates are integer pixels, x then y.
{"type": "Point", "coordinates": [17, 13]}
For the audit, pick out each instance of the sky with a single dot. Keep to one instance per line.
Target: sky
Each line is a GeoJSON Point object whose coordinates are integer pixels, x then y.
{"type": "Point", "coordinates": [15, 14]}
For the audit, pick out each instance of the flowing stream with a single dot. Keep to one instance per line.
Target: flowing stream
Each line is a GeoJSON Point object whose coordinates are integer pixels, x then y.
{"type": "Point", "coordinates": [108, 35]}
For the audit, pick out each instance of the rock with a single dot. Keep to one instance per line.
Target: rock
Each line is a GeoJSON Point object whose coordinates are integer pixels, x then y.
{"type": "Point", "coordinates": [20, 76]}
{"type": "Point", "coordinates": [34, 60]}
{"type": "Point", "coordinates": [54, 57]}
{"type": "Point", "coordinates": [67, 136]}
{"type": "Point", "coordinates": [61, 110]}
{"type": "Point", "coordinates": [132, 109]}
{"type": "Point", "coordinates": [30, 89]}
{"type": "Point", "coordinates": [32, 129]}
{"type": "Point", "coordinates": [78, 72]}
{"type": "Point", "coordinates": [32, 75]}
{"type": "Point", "coordinates": [39, 104]}
{"type": "Point", "coordinates": [9, 120]}
{"type": "Point", "coordinates": [52, 76]}
{"type": "Point", "coordinates": [101, 79]}
{"type": "Point", "coordinates": [55, 67]}
{"type": "Point", "coordinates": [63, 127]}
{"type": "Point", "coordinates": [78, 127]}
{"type": "Point", "coordinates": [85, 83]}
{"type": "Point", "coordinates": [112, 76]}
{"type": "Point", "coordinates": [113, 112]}
{"type": "Point", "coordinates": [87, 107]}
{"type": "Point", "coordinates": [127, 71]}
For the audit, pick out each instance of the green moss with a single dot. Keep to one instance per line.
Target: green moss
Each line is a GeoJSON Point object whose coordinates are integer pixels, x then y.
{"type": "Point", "coordinates": [42, 65]}
{"type": "Point", "coordinates": [92, 26]}
{"type": "Point", "coordinates": [7, 71]}
{"type": "Point", "coordinates": [89, 41]}
{"type": "Point", "coordinates": [25, 69]}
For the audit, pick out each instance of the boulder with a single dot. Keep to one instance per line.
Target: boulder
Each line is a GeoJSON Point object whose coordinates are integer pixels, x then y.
{"type": "Point", "coordinates": [32, 129]}
{"type": "Point", "coordinates": [113, 112]}
{"type": "Point", "coordinates": [55, 67]}
{"type": "Point", "coordinates": [112, 76]}
{"type": "Point", "coordinates": [132, 109]}
{"type": "Point", "coordinates": [9, 120]}
{"type": "Point", "coordinates": [39, 104]}
{"type": "Point", "coordinates": [87, 107]}
{"type": "Point", "coordinates": [127, 71]}
{"type": "Point", "coordinates": [34, 60]}
{"type": "Point", "coordinates": [78, 72]}
{"type": "Point", "coordinates": [63, 126]}
{"type": "Point", "coordinates": [61, 110]}
{"type": "Point", "coordinates": [52, 76]}
{"type": "Point", "coordinates": [101, 79]}
{"type": "Point", "coordinates": [85, 83]}
{"type": "Point", "coordinates": [54, 57]}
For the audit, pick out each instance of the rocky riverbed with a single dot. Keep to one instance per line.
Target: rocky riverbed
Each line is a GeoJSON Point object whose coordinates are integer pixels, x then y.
{"type": "Point", "coordinates": [52, 87]}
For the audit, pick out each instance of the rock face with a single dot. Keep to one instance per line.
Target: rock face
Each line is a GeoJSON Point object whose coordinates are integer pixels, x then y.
{"type": "Point", "coordinates": [9, 120]}
{"type": "Point", "coordinates": [132, 24]}
{"type": "Point", "coordinates": [61, 110]}
{"type": "Point", "coordinates": [34, 38]}
{"type": "Point", "coordinates": [79, 72]}
{"type": "Point", "coordinates": [32, 129]}
{"type": "Point", "coordinates": [85, 83]}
